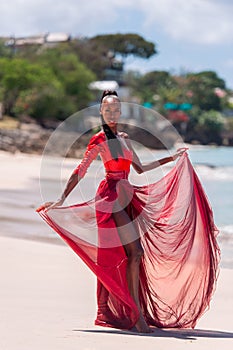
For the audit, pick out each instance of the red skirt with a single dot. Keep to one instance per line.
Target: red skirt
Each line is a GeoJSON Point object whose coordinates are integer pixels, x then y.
{"type": "Point", "coordinates": [179, 268]}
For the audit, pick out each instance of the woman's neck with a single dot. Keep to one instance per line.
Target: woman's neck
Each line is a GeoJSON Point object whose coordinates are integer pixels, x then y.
{"type": "Point", "coordinates": [114, 130]}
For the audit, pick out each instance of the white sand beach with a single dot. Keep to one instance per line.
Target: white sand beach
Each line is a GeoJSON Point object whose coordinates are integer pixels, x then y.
{"type": "Point", "coordinates": [47, 294]}
{"type": "Point", "coordinates": [47, 301]}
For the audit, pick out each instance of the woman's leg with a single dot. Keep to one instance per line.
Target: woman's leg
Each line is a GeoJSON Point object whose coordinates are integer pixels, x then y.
{"type": "Point", "coordinates": [104, 314]}
{"type": "Point", "coordinates": [131, 242]}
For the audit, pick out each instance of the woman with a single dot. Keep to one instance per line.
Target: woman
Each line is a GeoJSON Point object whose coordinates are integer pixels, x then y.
{"type": "Point", "coordinates": [156, 258]}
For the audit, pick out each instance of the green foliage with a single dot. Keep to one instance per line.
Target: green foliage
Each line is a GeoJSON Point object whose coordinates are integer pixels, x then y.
{"type": "Point", "coordinates": [42, 104]}
{"type": "Point", "coordinates": [20, 74]}
{"type": "Point", "coordinates": [102, 52]}
{"type": "Point", "coordinates": [202, 85]}
{"type": "Point", "coordinates": [20, 77]}
{"type": "Point", "coordinates": [72, 74]}
{"type": "Point", "coordinates": [206, 126]}
{"type": "Point", "coordinates": [53, 85]}
{"type": "Point", "coordinates": [229, 124]}
{"type": "Point", "coordinates": [197, 90]}
{"type": "Point", "coordinates": [5, 51]}
{"type": "Point", "coordinates": [211, 121]}
{"type": "Point", "coordinates": [52, 82]}
{"type": "Point", "coordinates": [157, 88]}
{"type": "Point", "coordinates": [92, 53]}
{"type": "Point", "coordinates": [126, 44]}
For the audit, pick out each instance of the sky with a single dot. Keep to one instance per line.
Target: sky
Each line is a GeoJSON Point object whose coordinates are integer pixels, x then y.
{"type": "Point", "coordinates": [189, 35]}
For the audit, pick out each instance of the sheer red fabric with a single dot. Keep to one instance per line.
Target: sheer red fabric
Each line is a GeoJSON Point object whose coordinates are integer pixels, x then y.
{"type": "Point", "coordinates": [174, 220]}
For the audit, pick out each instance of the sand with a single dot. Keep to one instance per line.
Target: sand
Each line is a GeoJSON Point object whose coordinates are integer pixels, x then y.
{"type": "Point", "coordinates": [47, 301]}
{"type": "Point", "coordinates": [47, 294]}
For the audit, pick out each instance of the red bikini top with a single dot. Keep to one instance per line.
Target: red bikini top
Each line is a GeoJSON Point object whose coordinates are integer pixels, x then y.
{"type": "Point", "coordinates": [99, 145]}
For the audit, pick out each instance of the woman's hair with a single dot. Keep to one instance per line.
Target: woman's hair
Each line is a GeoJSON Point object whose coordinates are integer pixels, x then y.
{"type": "Point", "coordinates": [114, 146]}
{"type": "Point", "coordinates": [110, 93]}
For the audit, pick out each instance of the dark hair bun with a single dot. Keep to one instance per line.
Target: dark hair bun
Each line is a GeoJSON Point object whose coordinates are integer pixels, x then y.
{"type": "Point", "coordinates": [108, 93]}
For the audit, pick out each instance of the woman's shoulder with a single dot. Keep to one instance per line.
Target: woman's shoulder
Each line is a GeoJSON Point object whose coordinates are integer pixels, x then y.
{"type": "Point", "coordinates": [98, 137]}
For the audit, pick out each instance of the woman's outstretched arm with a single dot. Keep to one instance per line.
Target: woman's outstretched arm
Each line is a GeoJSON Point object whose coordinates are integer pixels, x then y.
{"type": "Point", "coordinates": [141, 168]}
{"type": "Point", "coordinates": [71, 183]}
{"type": "Point", "coordinates": [78, 173]}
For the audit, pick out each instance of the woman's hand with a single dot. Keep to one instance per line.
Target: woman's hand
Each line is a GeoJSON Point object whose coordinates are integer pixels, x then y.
{"type": "Point", "coordinates": [179, 152]}
{"type": "Point", "coordinates": [50, 205]}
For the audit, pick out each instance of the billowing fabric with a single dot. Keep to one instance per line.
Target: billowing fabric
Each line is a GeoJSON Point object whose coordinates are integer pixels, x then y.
{"type": "Point", "coordinates": [174, 220]}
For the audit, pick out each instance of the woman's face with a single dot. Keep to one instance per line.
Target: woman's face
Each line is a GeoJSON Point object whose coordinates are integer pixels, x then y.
{"type": "Point", "coordinates": [111, 111]}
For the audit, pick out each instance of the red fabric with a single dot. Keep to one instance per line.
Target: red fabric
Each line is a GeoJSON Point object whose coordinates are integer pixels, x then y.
{"type": "Point", "coordinates": [179, 268]}
{"type": "Point", "coordinates": [98, 145]}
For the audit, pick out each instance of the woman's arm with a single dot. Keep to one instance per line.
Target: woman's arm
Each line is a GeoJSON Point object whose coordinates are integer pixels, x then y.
{"type": "Point", "coordinates": [71, 183]}
{"type": "Point", "coordinates": [78, 173]}
{"type": "Point", "coordinates": [141, 168]}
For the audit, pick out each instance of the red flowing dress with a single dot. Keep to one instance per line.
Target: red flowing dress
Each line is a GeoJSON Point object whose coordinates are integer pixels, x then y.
{"type": "Point", "coordinates": [174, 219]}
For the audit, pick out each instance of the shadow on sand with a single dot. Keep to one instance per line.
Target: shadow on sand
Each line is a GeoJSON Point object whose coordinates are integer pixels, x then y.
{"type": "Point", "coordinates": [186, 334]}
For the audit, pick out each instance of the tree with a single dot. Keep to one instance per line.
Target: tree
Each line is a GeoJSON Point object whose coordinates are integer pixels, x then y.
{"type": "Point", "coordinates": [202, 86]}
{"type": "Point", "coordinates": [205, 126]}
{"type": "Point", "coordinates": [53, 84]}
{"type": "Point", "coordinates": [5, 51]}
{"type": "Point", "coordinates": [17, 75]}
{"type": "Point", "coordinates": [108, 52]}
{"type": "Point", "coordinates": [155, 87]}
{"type": "Point", "coordinates": [115, 48]}
{"type": "Point", "coordinates": [72, 74]}
{"type": "Point", "coordinates": [43, 103]}
{"type": "Point", "coordinates": [94, 54]}
{"type": "Point", "coordinates": [126, 44]}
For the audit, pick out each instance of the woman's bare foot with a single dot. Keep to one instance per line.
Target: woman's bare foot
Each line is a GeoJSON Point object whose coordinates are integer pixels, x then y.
{"type": "Point", "coordinates": [142, 326]}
